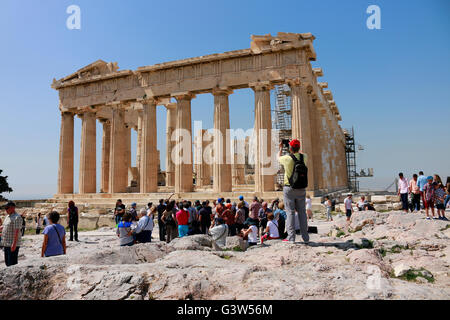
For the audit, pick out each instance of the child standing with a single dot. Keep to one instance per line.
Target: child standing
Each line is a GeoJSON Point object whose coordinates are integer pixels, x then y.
{"type": "Point", "coordinates": [428, 191]}
{"type": "Point", "coordinates": [439, 198]}
{"type": "Point", "coordinates": [348, 206]}
{"type": "Point", "coordinates": [327, 203]}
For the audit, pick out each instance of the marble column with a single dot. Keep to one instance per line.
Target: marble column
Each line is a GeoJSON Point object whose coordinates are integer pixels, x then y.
{"type": "Point", "coordinates": [330, 178]}
{"type": "Point", "coordinates": [127, 145]}
{"type": "Point", "coordinates": [65, 168]}
{"type": "Point", "coordinates": [301, 128]}
{"type": "Point", "coordinates": [183, 165]}
{"type": "Point", "coordinates": [88, 170]}
{"type": "Point", "coordinates": [262, 130]}
{"type": "Point", "coordinates": [201, 171]}
{"type": "Point", "coordinates": [238, 166]}
{"type": "Point", "coordinates": [149, 153]}
{"type": "Point", "coordinates": [171, 123]}
{"type": "Point", "coordinates": [315, 143]}
{"type": "Point", "coordinates": [106, 151]}
{"type": "Point", "coordinates": [222, 162]}
{"type": "Point", "coordinates": [139, 141]}
{"type": "Point", "coordinates": [118, 172]}
{"type": "Point", "coordinates": [320, 146]}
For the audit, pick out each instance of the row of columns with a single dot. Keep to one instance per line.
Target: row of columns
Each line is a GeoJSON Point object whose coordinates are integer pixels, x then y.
{"type": "Point", "coordinates": [307, 126]}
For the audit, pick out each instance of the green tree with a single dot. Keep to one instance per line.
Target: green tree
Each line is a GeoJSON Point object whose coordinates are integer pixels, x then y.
{"type": "Point", "coordinates": [4, 187]}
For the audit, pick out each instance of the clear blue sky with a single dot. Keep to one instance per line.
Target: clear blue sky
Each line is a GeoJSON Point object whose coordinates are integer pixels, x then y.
{"type": "Point", "coordinates": [392, 84]}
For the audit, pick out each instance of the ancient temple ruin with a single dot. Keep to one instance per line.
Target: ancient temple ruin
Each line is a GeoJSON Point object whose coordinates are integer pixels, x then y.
{"type": "Point", "coordinates": [125, 100]}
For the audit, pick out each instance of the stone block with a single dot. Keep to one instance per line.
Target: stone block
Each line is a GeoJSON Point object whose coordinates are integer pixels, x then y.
{"type": "Point", "coordinates": [88, 221]}
{"type": "Point", "coordinates": [106, 221]}
{"type": "Point", "coordinates": [378, 199]}
{"type": "Point", "coordinates": [381, 207]}
{"type": "Point", "coordinates": [397, 206]}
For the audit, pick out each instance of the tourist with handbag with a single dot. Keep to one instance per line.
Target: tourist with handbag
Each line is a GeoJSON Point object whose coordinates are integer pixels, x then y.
{"type": "Point", "coordinates": [54, 237]}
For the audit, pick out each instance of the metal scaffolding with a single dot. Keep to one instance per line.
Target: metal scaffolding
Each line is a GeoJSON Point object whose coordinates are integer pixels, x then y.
{"type": "Point", "coordinates": [350, 152]}
{"type": "Point", "coordinates": [282, 118]}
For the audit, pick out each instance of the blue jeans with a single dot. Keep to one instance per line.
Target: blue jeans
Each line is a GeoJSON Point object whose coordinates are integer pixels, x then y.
{"type": "Point", "coordinates": [11, 257]}
{"type": "Point", "coordinates": [183, 230]}
{"type": "Point", "coordinates": [127, 244]}
{"type": "Point", "coordinates": [404, 199]}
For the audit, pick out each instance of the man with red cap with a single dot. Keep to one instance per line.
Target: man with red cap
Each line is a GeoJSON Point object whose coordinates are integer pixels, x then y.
{"type": "Point", "coordinates": [294, 198]}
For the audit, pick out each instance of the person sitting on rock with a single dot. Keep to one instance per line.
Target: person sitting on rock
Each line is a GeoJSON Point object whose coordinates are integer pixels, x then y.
{"type": "Point", "coordinates": [280, 216]}
{"type": "Point", "coordinates": [362, 204]}
{"type": "Point", "coordinates": [143, 231]}
{"type": "Point", "coordinates": [271, 231]}
{"type": "Point", "coordinates": [219, 234]}
{"type": "Point", "coordinates": [125, 231]}
{"type": "Point", "coordinates": [250, 234]}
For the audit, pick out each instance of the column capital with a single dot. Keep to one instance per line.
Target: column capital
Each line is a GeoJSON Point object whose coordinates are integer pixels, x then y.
{"type": "Point", "coordinates": [67, 113]}
{"type": "Point", "coordinates": [261, 86]}
{"type": "Point", "coordinates": [148, 100]}
{"type": "Point", "coordinates": [222, 91]}
{"type": "Point", "coordinates": [185, 95]}
{"type": "Point", "coordinates": [118, 104]}
{"type": "Point", "coordinates": [297, 83]}
{"type": "Point", "coordinates": [171, 106]}
{"type": "Point", "coordinates": [104, 120]}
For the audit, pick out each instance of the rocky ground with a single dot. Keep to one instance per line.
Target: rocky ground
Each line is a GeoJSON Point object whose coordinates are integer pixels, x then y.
{"type": "Point", "coordinates": [388, 255]}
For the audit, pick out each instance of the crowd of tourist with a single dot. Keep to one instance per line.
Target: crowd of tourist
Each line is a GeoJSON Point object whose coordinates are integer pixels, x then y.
{"type": "Point", "coordinates": [257, 221]}
{"type": "Point", "coordinates": [430, 189]}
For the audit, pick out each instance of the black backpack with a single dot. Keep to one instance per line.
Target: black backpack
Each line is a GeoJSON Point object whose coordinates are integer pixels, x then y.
{"type": "Point", "coordinates": [299, 177]}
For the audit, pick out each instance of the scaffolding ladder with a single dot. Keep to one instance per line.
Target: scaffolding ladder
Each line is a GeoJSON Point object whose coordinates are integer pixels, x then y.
{"type": "Point", "coordinates": [282, 119]}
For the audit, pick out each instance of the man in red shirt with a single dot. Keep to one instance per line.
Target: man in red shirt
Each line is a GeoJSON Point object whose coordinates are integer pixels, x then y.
{"type": "Point", "coordinates": [183, 219]}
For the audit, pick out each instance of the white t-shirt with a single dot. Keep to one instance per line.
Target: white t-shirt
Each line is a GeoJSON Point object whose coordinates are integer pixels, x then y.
{"type": "Point", "coordinates": [253, 235]}
{"type": "Point", "coordinates": [273, 230]}
{"type": "Point", "coordinates": [403, 185]}
{"type": "Point", "coordinates": [308, 204]}
{"type": "Point", "coordinates": [348, 203]}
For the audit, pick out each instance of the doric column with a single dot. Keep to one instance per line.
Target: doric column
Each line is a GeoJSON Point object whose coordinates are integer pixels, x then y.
{"type": "Point", "coordinates": [321, 142]}
{"type": "Point", "coordinates": [171, 123]}
{"type": "Point", "coordinates": [118, 172]}
{"type": "Point", "coordinates": [106, 151]}
{"type": "Point", "coordinates": [238, 166]}
{"type": "Point", "coordinates": [262, 131]}
{"type": "Point", "coordinates": [139, 141]}
{"type": "Point", "coordinates": [329, 146]}
{"type": "Point", "coordinates": [127, 145]}
{"type": "Point", "coordinates": [222, 150]}
{"type": "Point", "coordinates": [301, 127]}
{"type": "Point", "coordinates": [183, 165]}
{"type": "Point", "coordinates": [315, 143]}
{"type": "Point", "coordinates": [88, 173]}
{"type": "Point", "coordinates": [65, 169]}
{"type": "Point", "coordinates": [149, 153]}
